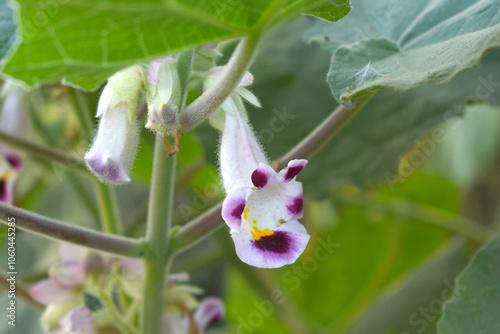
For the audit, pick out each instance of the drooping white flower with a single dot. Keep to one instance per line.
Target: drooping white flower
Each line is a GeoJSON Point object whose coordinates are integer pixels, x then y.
{"type": "Point", "coordinates": [262, 206]}
{"type": "Point", "coordinates": [113, 151]}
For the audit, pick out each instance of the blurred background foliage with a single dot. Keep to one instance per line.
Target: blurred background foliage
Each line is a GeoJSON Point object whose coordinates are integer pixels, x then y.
{"type": "Point", "coordinates": [393, 221]}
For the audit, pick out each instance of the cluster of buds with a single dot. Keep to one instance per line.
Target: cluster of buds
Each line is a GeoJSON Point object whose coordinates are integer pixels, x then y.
{"type": "Point", "coordinates": [79, 270]}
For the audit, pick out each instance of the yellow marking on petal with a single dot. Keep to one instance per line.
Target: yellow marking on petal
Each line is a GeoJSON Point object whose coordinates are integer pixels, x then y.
{"type": "Point", "coordinates": [254, 222]}
{"type": "Point", "coordinates": [245, 213]}
{"type": "Point", "coordinates": [255, 188]}
{"type": "Point", "coordinates": [281, 221]}
{"type": "Point", "coordinates": [257, 233]}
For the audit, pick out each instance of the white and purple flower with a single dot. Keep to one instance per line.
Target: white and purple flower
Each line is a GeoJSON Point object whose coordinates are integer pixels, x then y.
{"type": "Point", "coordinates": [113, 151]}
{"type": "Point", "coordinates": [66, 277]}
{"type": "Point", "coordinates": [14, 122]}
{"type": "Point", "coordinates": [209, 311]}
{"type": "Point", "coordinates": [262, 206]}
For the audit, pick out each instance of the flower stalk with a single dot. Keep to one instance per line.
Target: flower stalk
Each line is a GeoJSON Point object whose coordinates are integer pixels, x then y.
{"type": "Point", "coordinates": [158, 236]}
{"type": "Point", "coordinates": [217, 93]}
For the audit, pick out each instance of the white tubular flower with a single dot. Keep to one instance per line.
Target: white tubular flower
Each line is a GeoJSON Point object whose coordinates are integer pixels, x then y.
{"type": "Point", "coordinates": [262, 206]}
{"type": "Point", "coordinates": [162, 95]}
{"type": "Point", "coordinates": [115, 145]}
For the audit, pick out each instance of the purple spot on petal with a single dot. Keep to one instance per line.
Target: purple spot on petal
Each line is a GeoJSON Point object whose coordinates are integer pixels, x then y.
{"type": "Point", "coordinates": [292, 172]}
{"type": "Point", "coordinates": [296, 206]}
{"type": "Point", "coordinates": [14, 160]}
{"type": "Point", "coordinates": [278, 243]}
{"type": "Point", "coordinates": [238, 210]}
{"type": "Point", "coordinates": [3, 191]}
{"type": "Point", "coordinates": [259, 178]}
{"type": "Point", "coordinates": [107, 170]}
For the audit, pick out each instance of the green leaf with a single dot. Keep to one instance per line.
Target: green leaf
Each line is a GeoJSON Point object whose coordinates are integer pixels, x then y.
{"type": "Point", "coordinates": [330, 10]}
{"type": "Point", "coordinates": [418, 297]}
{"type": "Point", "coordinates": [406, 45]}
{"type": "Point", "coordinates": [85, 41]}
{"type": "Point", "coordinates": [474, 308]}
{"type": "Point", "coordinates": [7, 27]}
{"type": "Point", "coordinates": [92, 302]}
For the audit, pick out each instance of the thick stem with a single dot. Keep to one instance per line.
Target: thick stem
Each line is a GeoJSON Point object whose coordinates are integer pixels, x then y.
{"type": "Point", "coordinates": [45, 153]}
{"type": "Point", "coordinates": [214, 96]}
{"type": "Point", "coordinates": [323, 133]}
{"type": "Point", "coordinates": [60, 231]}
{"type": "Point", "coordinates": [211, 220]}
{"type": "Point", "coordinates": [158, 236]}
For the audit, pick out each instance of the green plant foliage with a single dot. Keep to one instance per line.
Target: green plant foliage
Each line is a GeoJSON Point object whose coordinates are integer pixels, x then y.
{"type": "Point", "coordinates": [474, 306]}
{"type": "Point", "coordinates": [84, 42]}
{"type": "Point", "coordinates": [404, 44]}
{"type": "Point", "coordinates": [7, 28]}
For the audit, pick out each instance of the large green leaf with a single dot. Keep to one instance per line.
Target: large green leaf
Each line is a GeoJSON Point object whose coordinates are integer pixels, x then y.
{"type": "Point", "coordinates": [7, 28]}
{"type": "Point", "coordinates": [85, 41]}
{"type": "Point", "coordinates": [474, 308]}
{"type": "Point", "coordinates": [406, 44]}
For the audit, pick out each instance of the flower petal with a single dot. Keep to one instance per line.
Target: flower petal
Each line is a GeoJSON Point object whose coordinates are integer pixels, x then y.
{"type": "Point", "coordinates": [113, 150]}
{"type": "Point", "coordinates": [209, 310]}
{"type": "Point", "coordinates": [240, 154]}
{"type": "Point", "coordinates": [152, 74]}
{"type": "Point", "coordinates": [7, 189]}
{"type": "Point", "coordinates": [233, 205]}
{"type": "Point", "coordinates": [262, 176]}
{"type": "Point", "coordinates": [282, 247]}
{"type": "Point", "coordinates": [70, 253]}
{"type": "Point", "coordinates": [294, 167]}
{"type": "Point", "coordinates": [175, 323]}
{"type": "Point", "coordinates": [278, 202]}
{"type": "Point", "coordinates": [48, 292]}
{"type": "Point", "coordinates": [68, 275]}
{"type": "Point", "coordinates": [78, 321]}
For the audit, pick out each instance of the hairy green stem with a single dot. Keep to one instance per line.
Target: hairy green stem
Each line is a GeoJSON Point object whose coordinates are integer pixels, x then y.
{"type": "Point", "coordinates": [60, 231]}
{"type": "Point", "coordinates": [323, 133]}
{"type": "Point", "coordinates": [158, 236]}
{"type": "Point", "coordinates": [216, 94]}
{"type": "Point", "coordinates": [211, 220]}
{"type": "Point", "coordinates": [46, 153]}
